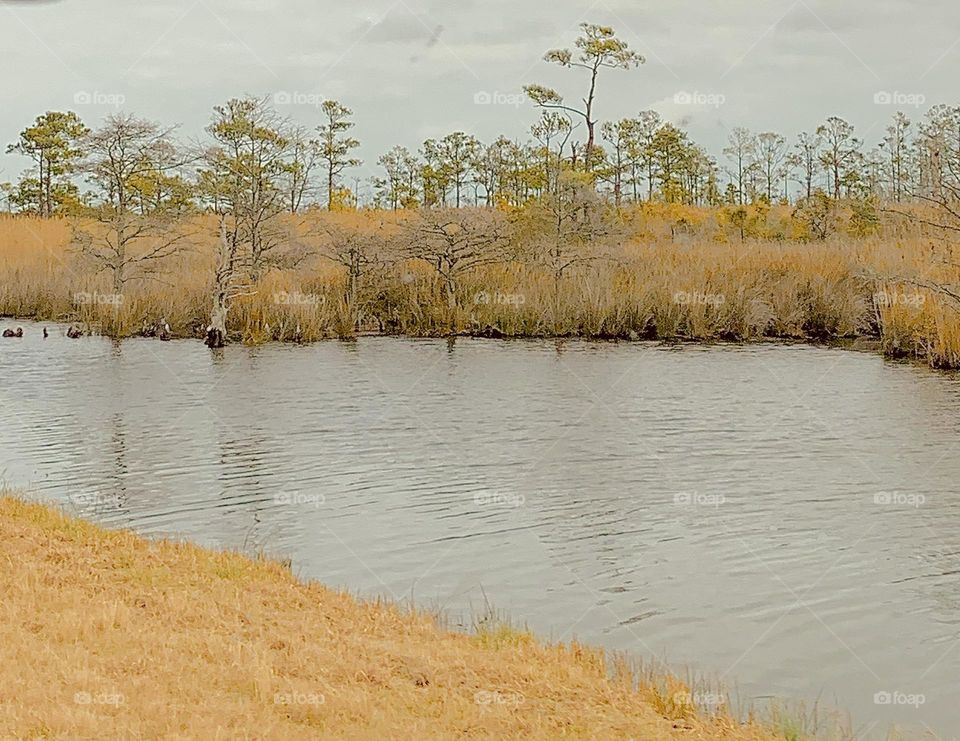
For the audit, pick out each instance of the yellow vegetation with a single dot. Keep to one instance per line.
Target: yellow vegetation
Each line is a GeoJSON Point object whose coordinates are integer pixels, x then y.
{"type": "Point", "coordinates": [679, 272]}
{"type": "Point", "coordinates": [106, 635]}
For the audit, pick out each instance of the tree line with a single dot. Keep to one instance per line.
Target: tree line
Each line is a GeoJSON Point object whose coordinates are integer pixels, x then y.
{"type": "Point", "coordinates": [253, 165]}
{"type": "Point", "coordinates": [634, 159]}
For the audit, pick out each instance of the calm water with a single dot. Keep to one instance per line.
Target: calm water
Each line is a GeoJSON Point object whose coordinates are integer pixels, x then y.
{"type": "Point", "coordinates": [786, 518]}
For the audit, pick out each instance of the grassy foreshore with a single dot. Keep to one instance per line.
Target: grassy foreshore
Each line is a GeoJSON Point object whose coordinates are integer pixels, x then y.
{"type": "Point", "coordinates": [108, 635]}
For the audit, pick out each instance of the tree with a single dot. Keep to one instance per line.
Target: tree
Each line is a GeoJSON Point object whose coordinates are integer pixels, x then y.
{"type": "Point", "coordinates": [335, 145]}
{"type": "Point", "coordinates": [133, 235]}
{"type": "Point", "coordinates": [490, 166]}
{"type": "Point", "coordinates": [806, 157]}
{"type": "Point", "coordinates": [454, 241]}
{"type": "Point", "coordinates": [451, 159]}
{"type": "Point", "coordinates": [771, 151]}
{"type": "Point", "coordinates": [895, 143]}
{"type": "Point", "coordinates": [598, 48]}
{"type": "Point", "coordinates": [164, 186]}
{"type": "Point", "coordinates": [622, 137]}
{"type": "Point", "coordinates": [567, 228]}
{"type": "Point", "coordinates": [6, 196]}
{"type": "Point", "coordinates": [840, 149]}
{"type": "Point", "coordinates": [358, 250]}
{"type": "Point", "coordinates": [399, 188]}
{"type": "Point", "coordinates": [552, 126]}
{"type": "Point", "coordinates": [816, 213]}
{"type": "Point", "coordinates": [304, 160]}
{"type": "Point", "coordinates": [741, 150]}
{"type": "Point", "coordinates": [669, 149]}
{"type": "Point", "coordinates": [241, 183]}
{"type": "Point", "coordinates": [642, 158]}
{"type": "Point", "coordinates": [939, 149]}
{"type": "Point", "coordinates": [54, 144]}
{"type": "Point", "coordinates": [698, 176]}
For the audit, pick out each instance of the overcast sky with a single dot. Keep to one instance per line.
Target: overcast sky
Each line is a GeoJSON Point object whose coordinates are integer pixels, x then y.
{"type": "Point", "coordinates": [415, 69]}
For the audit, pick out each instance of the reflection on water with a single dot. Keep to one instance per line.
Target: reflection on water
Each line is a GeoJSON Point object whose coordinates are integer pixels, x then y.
{"type": "Point", "coordinates": [784, 517]}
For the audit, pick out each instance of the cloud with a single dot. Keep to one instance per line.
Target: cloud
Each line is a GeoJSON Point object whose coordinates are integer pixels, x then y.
{"type": "Point", "coordinates": [411, 70]}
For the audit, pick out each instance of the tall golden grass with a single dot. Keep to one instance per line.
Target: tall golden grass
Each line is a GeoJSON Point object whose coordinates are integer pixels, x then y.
{"type": "Point", "coordinates": [680, 276]}
{"type": "Point", "coordinates": [107, 635]}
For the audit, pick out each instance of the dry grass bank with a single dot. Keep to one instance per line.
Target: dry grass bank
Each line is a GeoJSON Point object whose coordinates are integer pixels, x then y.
{"type": "Point", "coordinates": [106, 635]}
{"type": "Point", "coordinates": [660, 282]}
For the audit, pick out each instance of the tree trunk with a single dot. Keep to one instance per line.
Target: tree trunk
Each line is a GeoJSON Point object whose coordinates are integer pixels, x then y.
{"type": "Point", "coordinates": [217, 331]}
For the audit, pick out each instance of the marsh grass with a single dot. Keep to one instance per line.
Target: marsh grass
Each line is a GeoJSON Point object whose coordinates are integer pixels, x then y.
{"type": "Point", "coordinates": [703, 286]}
{"type": "Point", "coordinates": [104, 634]}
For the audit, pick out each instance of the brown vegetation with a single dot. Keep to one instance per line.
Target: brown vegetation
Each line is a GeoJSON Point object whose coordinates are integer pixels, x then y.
{"type": "Point", "coordinates": [650, 272]}
{"type": "Point", "coordinates": [107, 635]}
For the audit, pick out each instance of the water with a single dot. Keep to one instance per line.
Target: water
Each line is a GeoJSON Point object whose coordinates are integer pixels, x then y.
{"type": "Point", "coordinates": [786, 518]}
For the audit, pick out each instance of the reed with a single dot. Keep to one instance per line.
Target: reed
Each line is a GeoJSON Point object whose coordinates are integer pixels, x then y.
{"type": "Point", "coordinates": [676, 274]}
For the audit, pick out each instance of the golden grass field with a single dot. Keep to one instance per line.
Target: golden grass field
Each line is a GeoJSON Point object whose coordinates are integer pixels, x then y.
{"type": "Point", "coordinates": [108, 635]}
{"type": "Point", "coordinates": [674, 276]}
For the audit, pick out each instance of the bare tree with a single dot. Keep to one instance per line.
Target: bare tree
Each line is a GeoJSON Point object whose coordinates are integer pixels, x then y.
{"type": "Point", "coordinates": [132, 236]}
{"type": "Point", "coordinates": [455, 241]}
{"type": "Point", "coordinates": [358, 249]}
{"type": "Point", "coordinates": [228, 284]}
{"type": "Point", "coordinates": [568, 228]}
{"type": "Point", "coordinates": [301, 169]}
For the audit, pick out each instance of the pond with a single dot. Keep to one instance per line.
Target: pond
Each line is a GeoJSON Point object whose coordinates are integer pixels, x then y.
{"type": "Point", "coordinates": [784, 518]}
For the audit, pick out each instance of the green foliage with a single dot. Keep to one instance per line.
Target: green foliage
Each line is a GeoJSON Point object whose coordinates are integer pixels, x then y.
{"type": "Point", "coordinates": [336, 145]}
{"type": "Point", "coordinates": [53, 142]}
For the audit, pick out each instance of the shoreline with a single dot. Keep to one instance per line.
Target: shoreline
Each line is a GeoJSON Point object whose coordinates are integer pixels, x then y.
{"type": "Point", "coordinates": [106, 630]}
{"type": "Point", "coordinates": [865, 343]}
{"type": "Point", "coordinates": [490, 333]}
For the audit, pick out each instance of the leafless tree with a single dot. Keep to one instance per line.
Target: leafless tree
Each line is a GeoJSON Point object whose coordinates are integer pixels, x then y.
{"type": "Point", "coordinates": [358, 249]}
{"type": "Point", "coordinates": [132, 235]}
{"type": "Point", "coordinates": [455, 241]}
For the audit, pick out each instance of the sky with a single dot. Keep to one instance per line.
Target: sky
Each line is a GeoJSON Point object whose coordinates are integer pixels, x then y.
{"type": "Point", "coordinates": [416, 69]}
